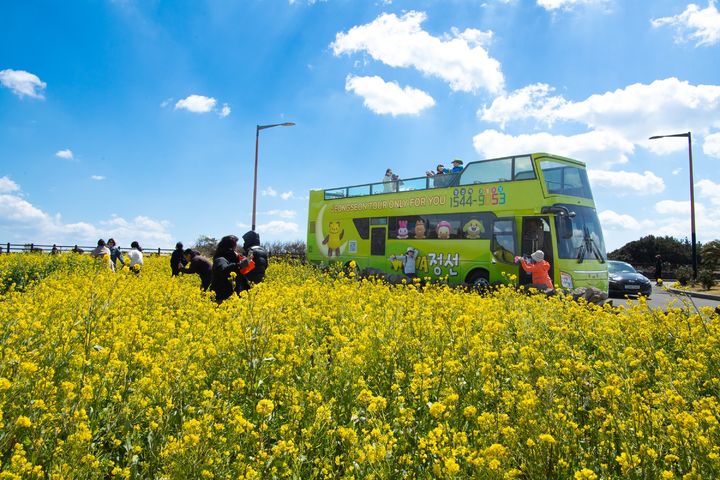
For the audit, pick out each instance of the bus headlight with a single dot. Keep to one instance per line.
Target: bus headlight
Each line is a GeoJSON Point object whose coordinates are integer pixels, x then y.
{"type": "Point", "coordinates": [566, 280]}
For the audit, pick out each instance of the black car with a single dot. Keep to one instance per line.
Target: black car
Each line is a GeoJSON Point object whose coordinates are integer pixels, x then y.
{"type": "Point", "coordinates": [625, 280]}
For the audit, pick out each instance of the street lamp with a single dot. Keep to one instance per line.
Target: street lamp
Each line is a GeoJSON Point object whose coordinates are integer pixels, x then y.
{"type": "Point", "coordinates": [692, 198]}
{"type": "Point", "coordinates": [257, 142]}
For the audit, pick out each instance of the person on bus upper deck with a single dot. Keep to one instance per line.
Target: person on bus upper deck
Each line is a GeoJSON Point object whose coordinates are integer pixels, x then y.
{"type": "Point", "coordinates": [390, 181]}
{"type": "Point", "coordinates": [457, 166]}
{"type": "Point", "coordinates": [440, 170]}
{"type": "Point", "coordinates": [539, 269]}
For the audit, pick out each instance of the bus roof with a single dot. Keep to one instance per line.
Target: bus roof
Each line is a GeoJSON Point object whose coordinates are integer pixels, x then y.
{"type": "Point", "coordinates": [446, 180]}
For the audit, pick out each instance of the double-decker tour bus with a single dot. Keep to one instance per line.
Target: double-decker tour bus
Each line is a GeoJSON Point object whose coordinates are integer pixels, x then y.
{"type": "Point", "coordinates": [468, 226]}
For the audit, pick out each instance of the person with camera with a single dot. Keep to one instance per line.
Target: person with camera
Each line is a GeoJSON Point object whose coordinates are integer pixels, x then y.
{"type": "Point", "coordinates": [390, 181]}
{"type": "Point", "coordinates": [538, 268]}
{"type": "Point", "coordinates": [227, 262]}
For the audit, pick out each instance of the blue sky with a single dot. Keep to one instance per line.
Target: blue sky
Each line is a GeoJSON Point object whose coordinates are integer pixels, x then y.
{"type": "Point", "coordinates": [136, 119]}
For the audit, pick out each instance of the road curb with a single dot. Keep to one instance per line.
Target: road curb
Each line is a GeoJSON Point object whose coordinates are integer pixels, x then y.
{"type": "Point", "coordinates": [705, 296]}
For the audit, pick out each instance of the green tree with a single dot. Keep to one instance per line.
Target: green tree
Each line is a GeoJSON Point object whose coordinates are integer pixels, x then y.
{"type": "Point", "coordinates": [205, 245]}
{"type": "Point", "coordinates": [643, 251]}
{"type": "Point", "coordinates": [710, 254]}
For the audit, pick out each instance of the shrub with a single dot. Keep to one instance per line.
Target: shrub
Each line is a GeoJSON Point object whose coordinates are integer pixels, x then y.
{"type": "Point", "coordinates": [706, 278]}
{"type": "Point", "coordinates": [684, 275]}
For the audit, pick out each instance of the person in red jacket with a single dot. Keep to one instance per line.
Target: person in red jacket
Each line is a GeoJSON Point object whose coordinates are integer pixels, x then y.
{"type": "Point", "coordinates": [538, 268]}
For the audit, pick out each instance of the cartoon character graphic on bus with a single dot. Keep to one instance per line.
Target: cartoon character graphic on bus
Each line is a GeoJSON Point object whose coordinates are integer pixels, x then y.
{"type": "Point", "coordinates": [402, 232]}
{"type": "Point", "coordinates": [473, 229]}
{"type": "Point", "coordinates": [420, 228]}
{"type": "Point", "coordinates": [333, 239]}
{"type": "Point", "coordinates": [443, 230]}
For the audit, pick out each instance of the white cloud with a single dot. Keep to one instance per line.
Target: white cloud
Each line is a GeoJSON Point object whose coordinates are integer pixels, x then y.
{"type": "Point", "coordinates": [694, 23]}
{"type": "Point", "coordinates": [22, 83]}
{"type": "Point", "coordinates": [282, 213]}
{"type": "Point", "coordinates": [287, 195]}
{"type": "Point", "coordinates": [7, 185]}
{"type": "Point", "coordinates": [166, 102]}
{"type": "Point", "coordinates": [623, 182]}
{"type": "Point", "coordinates": [711, 146]}
{"type": "Point", "coordinates": [388, 98]}
{"type": "Point", "coordinates": [21, 221]}
{"type": "Point", "coordinates": [269, 192]}
{"type": "Point", "coordinates": [567, 4]}
{"type": "Point", "coordinates": [600, 149]}
{"type": "Point", "coordinates": [196, 104]}
{"type": "Point", "coordinates": [611, 220]}
{"type": "Point", "coordinates": [97, 177]}
{"type": "Point", "coordinates": [674, 207]}
{"type": "Point", "coordinates": [67, 154]}
{"type": "Point", "coordinates": [458, 58]}
{"type": "Point", "coordinates": [279, 227]}
{"type": "Point", "coordinates": [710, 190]}
{"type": "Point", "coordinates": [225, 110]}
{"type": "Point", "coordinates": [677, 171]}
{"type": "Point", "coordinates": [669, 106]}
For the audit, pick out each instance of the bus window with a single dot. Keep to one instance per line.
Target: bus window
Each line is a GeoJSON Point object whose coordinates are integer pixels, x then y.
{"type": "Point", "coordinates": [523, 169]}
{"type": "Point", "coordinates": [488, 172]}
{"type": "Point", "coordinates": [377, 241]}
{"type": "Point", "coordinates": [362, 225]}
{"type": "Point", "coordinates": [565, 179]}
{"type": "Point", "coordinates": [503, 241]}
{"type": "Point", "coordinates": [456, 226]}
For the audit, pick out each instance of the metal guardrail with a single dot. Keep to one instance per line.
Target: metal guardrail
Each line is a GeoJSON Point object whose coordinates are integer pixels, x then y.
{"type": "Point", "coordinates": [44, 248]}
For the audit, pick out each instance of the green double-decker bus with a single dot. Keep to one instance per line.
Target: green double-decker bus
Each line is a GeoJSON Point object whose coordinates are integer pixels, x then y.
{"type": "Point", "coordinates": [467, 227]}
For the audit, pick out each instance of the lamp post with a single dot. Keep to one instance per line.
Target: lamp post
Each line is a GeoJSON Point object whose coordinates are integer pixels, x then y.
{"type": "Point", "coordinates": [257, 143]}
{"type": "Point", "coordinates": [692, 197]}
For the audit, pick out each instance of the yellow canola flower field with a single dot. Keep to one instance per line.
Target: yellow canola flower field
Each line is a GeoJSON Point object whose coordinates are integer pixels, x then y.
{"type": "Point", "coordinates": [309, 375]}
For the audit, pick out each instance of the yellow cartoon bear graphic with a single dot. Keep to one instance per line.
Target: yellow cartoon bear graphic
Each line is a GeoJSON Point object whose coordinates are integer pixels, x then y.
{"type": "Point", "coordinates": [473, 228]}
{"type": "Point", "coordinates": [333, 239]}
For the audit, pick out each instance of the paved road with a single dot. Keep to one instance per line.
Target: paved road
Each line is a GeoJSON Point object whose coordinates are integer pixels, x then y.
{"type": "Point", "coordinates": [661, 298]}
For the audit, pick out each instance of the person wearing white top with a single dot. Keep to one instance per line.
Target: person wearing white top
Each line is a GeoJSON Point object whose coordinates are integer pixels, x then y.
{"type": "Point", "coordinates": [136, 256]}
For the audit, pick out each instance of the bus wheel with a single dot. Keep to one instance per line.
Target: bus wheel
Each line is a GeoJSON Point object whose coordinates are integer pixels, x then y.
{"type": "Point", "coordinates": [479, 279]}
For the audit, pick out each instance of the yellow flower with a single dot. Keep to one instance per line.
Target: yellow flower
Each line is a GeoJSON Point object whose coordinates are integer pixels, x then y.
{"type": "Point", "coordinates": [23, 421]}
{"type": "Point", "coordinates": [265, 407]}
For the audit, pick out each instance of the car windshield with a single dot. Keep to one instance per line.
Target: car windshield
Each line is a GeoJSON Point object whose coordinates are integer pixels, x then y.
{"type": "Point", "coordinates": [620, 267]}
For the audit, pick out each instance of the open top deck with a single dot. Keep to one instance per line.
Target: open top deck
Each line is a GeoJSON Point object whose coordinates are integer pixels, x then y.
{"type": "Point", "coordinates": [506, 169]}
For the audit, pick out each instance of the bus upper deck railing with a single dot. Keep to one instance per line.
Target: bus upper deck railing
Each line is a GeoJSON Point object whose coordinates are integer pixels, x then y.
{"type": "Point", "coordinates": [400, 185]}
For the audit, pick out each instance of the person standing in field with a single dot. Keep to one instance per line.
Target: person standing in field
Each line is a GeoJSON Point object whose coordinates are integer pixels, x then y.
{"type": "Point", "coordinates": [539, 269]}
{"type": "Point", "coordinates": [177, 259]}
{"type": "Point", "coordinates": [115, 253]}
{"type": "Point", "coordinates": [136, 257]}
{"type": "Point", "coordinates": [103, 252]}
{"type": "Point", "coordinates": [196, 263]}
{"type": "Point", "coordinates": [408, 261]}
{"type": "Point", "coordinates": [658, 269]}
{"type": "Point", "coordinates": [226, 262]}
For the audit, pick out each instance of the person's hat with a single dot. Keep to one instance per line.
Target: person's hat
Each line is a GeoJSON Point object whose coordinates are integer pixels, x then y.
{"type": "Point", "coordinates": [538, 256]}
{"type": "Point", "coordinates": [458, 161]}
{"type": "Point", "coordinates": [410, 249]}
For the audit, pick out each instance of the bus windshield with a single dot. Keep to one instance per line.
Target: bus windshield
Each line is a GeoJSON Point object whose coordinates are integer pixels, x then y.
{"type": "Point", "coordinates": [565, 179]}
{"type": "Point", "coordinates": [586, 240]}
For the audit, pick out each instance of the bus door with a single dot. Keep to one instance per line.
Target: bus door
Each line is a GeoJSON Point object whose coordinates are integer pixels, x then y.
{"type": "Point", "coordinates": [378, 235]}
{"type": "Point", "coordinates": [536, 236]}
{"type": "Point", "coordinates": [504, 248]}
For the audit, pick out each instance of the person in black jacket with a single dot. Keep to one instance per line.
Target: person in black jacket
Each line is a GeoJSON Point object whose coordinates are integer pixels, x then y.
{"type": "Point", "coordinates": [177, 260]}
{"type": "Point", "coordinates": [196, 263]}
{"type": "Point", "coordinates": [225, 262]}
{"type": "Point", "coordinates": [252, 248]}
